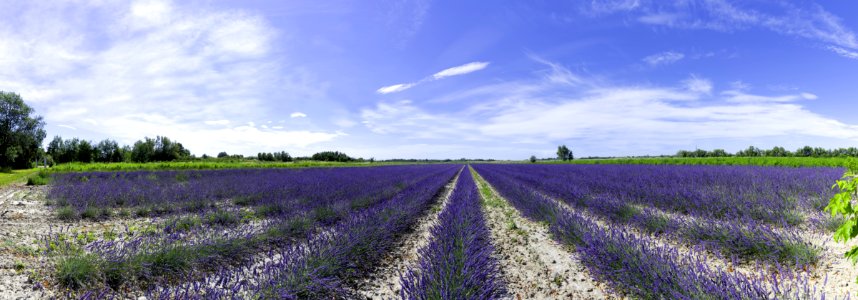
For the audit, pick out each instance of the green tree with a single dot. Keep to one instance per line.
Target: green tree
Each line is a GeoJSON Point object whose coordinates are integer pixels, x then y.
{"type": "Point", "coordinates": [21, 132]}
{"type": "Point", "coordinates": [143, 150]}
{"type": "Point", "coordinates": [563, 153]}
{"type": "Point", "coordinates": [532, 158]}
{"type": "Point", "coordinates": [332, 156]}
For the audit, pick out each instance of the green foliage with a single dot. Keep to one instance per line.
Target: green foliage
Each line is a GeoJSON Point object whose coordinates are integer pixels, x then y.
{"type": "Point", "coordinates": [564, 154]}
{"type": "Point", "coordinates": [161, 148]}
{"type": "Point", "coordinates": [720, 161]}
{"type": "Point", "coordinates": [41, 178]}
{"type": "Point", "coordinates": [66, 213]}
{"type": "Point", "coordinates": [532, 158]}
{"type": "Point", "coordinates": [222, 218]}
{"type": "Point", "coordinates": [21, 132]}
{"type": "Point", "coordinates": [332, 156]}
{"type": "Point", "coordinates": [212, 164]}
{"type": "Point", "coordinates": [91, 213]}
{"type": "Point", "coordinates": [842, 204]}
{"type": "Point", "coordinates": [13, 176]}
{"type": "Point", "coordinates": [281, 156]}
{"type": "Point", "coordinates": [77, 271]}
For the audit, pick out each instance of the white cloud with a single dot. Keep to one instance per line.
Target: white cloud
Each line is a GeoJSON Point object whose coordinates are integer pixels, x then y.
{"type": "Point", "coordinates": [664, 58]}
{"type": "Point", "coordinates": [809, 96]}
{"type": "Point", "coordinates": [67, 126]}
{"type": "Point", "coordinates": [809, 21]}
{"type": "Point", "coordinates": [395, 88]}
{"type": "Point", "coordinates": [620, 119]}
{"type": "Point", "coordinates": [126, 70]}
{"type": "Point", "coordinates": [844, 52]}
{"type": "Point", "coordinates": [740, 85]}
{"type": "Point", "coordinates": [217, 122]}
{"type": "Point", "coordinates": [461, 70]}
{"type": "Point", "coordinates": [454, 71]}
{"type": "Point", "coordinates": [298, 115]}
{"type": "Point", "coordinates": [698, 85]}
{"type": "Point", "coordinates": [736, 96]}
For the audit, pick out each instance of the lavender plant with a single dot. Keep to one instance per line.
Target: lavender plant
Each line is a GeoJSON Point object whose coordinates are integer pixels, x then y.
{"type": "Point", "coordinates": [195, 246]}
{"type": "Point", "coordinates": [457, 262]}
{"type": "Point", "coordinates": [636, 265]}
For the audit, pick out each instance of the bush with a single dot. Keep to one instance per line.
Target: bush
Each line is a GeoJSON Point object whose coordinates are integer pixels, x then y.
{"type": "Point", "coordinates": [40, 178]}
{"type": "Point", "coordinates": [91, 213]}
{"type": "Point", "coordinates": [77, 272]}
{"type": "Point", "coordinates": [222, 218]}
{"type": "Point", "coordinates": [66, 213]}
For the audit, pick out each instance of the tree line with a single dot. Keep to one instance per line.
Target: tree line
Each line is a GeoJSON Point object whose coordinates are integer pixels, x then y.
{"type": "Point", "coordinates": [161, 148]}
{"type": "Point", "coordinates": [777, 151]}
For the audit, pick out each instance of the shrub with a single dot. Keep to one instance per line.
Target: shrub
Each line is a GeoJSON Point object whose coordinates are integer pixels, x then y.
{"type": "Point", "coordinates": [66, 213]}
{"type": "Point", "coordinates": [222, 218]}
{"type": "Point", "coordinates": [77, 272]}
{"type": "Point", "coordinates": [91, 213]}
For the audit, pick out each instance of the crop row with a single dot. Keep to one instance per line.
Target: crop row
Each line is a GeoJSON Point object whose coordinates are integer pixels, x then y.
{"type": "Point", "coordinates": [457, 263]}
{"type": "Point", "coordinates": [324, 265]}
{"type": "Point", "coordinates": [749, 239]}
{"type": "Point", "coordinates": [187, 249]}
{"type": "Point", "coordinates": [638, 265]}
{"type": "Point", "coordinates": [767, 194]}
{"type": "Point", "coordinates": [174, 192]}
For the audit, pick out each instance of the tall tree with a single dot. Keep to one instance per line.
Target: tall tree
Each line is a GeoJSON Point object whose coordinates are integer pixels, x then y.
{"type": "Point", "coordinates": [563, 153]}
{"type": "Point", "coordinates": [21, 132]}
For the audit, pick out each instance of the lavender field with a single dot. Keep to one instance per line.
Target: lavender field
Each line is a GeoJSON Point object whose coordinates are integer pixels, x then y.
{"type": "Point", "coordinates": [444, 231]}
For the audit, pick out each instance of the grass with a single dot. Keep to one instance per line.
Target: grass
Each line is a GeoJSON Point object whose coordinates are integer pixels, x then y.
{"type": "Point", "coordinates": [725, 161]}
{"type": "Point", "coordinates": [16, 176]}
{"type": "Point", "coordinates": [40, 178]}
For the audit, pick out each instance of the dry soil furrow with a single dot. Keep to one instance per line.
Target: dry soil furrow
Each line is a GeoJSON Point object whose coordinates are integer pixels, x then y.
{"type": "Point", "coordinates": [533, 265]}
{"type": "Point", "coordinates": [384, 283]}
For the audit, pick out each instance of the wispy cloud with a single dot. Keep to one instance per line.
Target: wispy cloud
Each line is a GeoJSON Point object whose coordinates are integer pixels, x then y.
{"type": "Point", "coordinates": [449, 72]}
{"type": "Point", "coordinates": [663, 58]}
{"type": "Point", "coordinates": [540, 111]}
{"type": "Point", "coordinates": [805, 21]}
{"type": "Point", "coordinates": [67, 126]}
{"type": "Point", "coordinates": [736, 96]}
{"type": "Point", "coordinates": [217, 122]}
{"type": "Point", "coordinates": [698, 85]}
{"type": "Point", "coordinates": [844, 52]}
{"type": "Point", "coordinates": [461, 70]}
{"type": "Point", "coordinates": [395, 88]}
{"type": "Point", "coordinates": [298, 115]}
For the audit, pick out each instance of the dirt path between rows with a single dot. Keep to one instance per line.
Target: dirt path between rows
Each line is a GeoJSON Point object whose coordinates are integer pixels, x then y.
{"type": "Point", "coordinates": [385, 283]}
{"type": "Point", "coordinates": [533, 265]}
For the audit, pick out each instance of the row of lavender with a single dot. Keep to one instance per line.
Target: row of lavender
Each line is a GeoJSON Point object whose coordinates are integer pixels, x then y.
{"type": "Point", "coordinates": [767, 194]}
{"type": "Point", "coordinates": [457, 263]}
{"type": "Point", "coordinates": [750, 238]}
{"type": "Point", "coordinates": [171, 192]}
{"type": "Point", "coordinates": [638, 265]}
{"type": "Point", "coordinates": [177, 252]}
{"type": "Point", "coordinates": [322, 266]}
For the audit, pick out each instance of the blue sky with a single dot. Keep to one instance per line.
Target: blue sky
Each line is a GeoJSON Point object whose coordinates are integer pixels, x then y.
{"type": "Point", "coordinates": [433, 79]}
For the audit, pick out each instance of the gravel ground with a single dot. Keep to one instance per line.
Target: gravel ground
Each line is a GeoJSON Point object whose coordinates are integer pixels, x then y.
{"type": "Point", "coordinates": [384, 283]}
{"type": "Point", "coordinates": [24, 218]}
{"type": "Point", "coordinates": [533, 265]}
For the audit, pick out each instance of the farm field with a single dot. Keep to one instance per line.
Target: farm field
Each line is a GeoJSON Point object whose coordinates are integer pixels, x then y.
{"type": "Point", "coordinates": [434, 231]}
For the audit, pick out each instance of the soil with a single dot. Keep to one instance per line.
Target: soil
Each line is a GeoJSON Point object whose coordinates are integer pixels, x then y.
{"type": "Point", "coordinates": [533, 265]}
{"type": "Point", "coordinates": [385, 283]}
